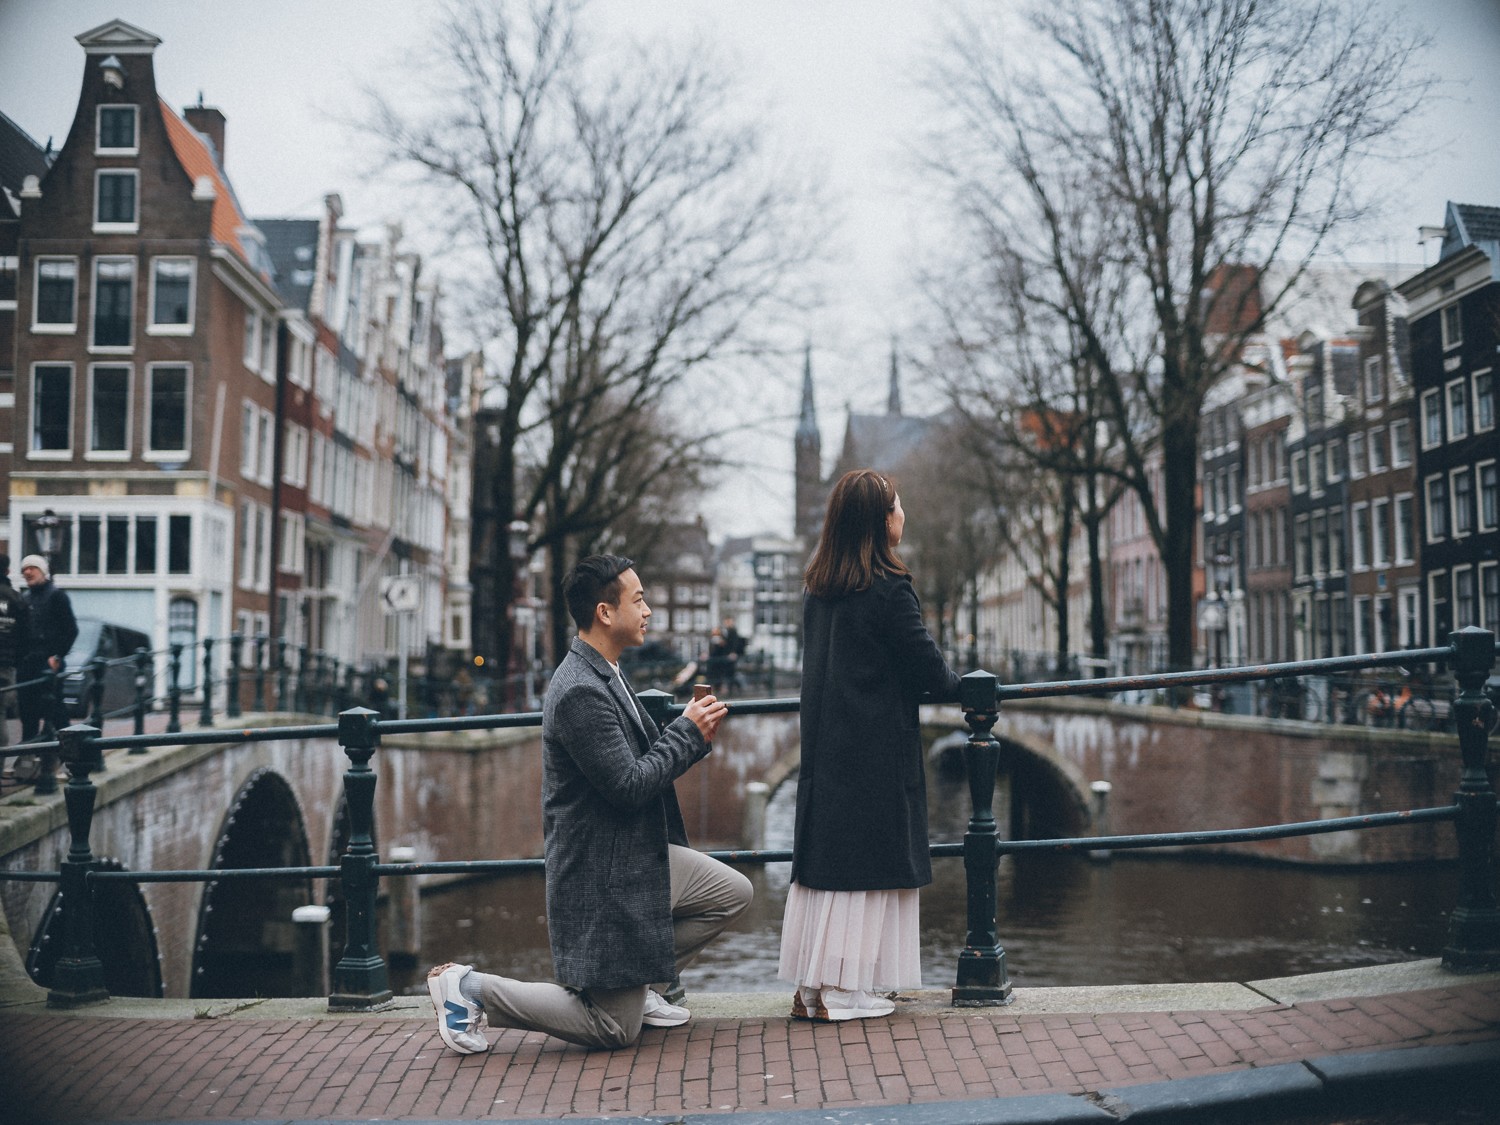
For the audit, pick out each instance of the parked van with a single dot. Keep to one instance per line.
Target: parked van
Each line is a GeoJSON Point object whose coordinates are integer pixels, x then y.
{"type": "Point", "coordinates": [110, 642]}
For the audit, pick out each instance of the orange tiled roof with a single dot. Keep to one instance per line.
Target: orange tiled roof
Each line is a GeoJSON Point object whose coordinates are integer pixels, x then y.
{"type": "Point", "coordinates": [197, 160]}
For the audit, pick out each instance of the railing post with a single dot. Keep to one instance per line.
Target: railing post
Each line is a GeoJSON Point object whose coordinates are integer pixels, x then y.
{"type": "Point", "coordinates": [174, 688]}
{"type": "Point", "coordinates": [301, 702]}
{"type": "Point", "coordinates": [260, 672]}
{"type": "Point", "coordinates": [232, 676]}
{"type": "Point", "coordinates": [46, 778]}
{"type": "Point", "coordinates": [1474, 927]}
{"type": "Point", "coordinates": [142, 678]}
{"type": "Point", "coordinates": [206, 712]}
{"type": "Point", "coordinates": [78, 977]}
{"type": "Point", "coordinates": [982, 979]}
{"type": "Point", "coordinates": [281, 675]}
{"type": "Point", "coordinates": [359, 979]}
{"type": "Point", "coordinates": [656, 703]}
{"type": "Point", "coordinates": [93, 676]}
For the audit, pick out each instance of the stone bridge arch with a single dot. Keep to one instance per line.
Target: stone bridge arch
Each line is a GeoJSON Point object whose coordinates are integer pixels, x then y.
{"type": "Point", "coordinates": [1048, 796]}
{"type": "Point", "coordinates": [244, 939]}
{"type": "Point", "coordinates": [125, 944]}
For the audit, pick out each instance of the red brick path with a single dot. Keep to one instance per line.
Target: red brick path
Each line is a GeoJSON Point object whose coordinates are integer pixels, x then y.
{"type": "Point", "coordinates": [123, 1069]}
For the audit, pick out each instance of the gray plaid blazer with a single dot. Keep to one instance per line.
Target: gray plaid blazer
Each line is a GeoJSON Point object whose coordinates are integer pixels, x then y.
{"type": "Point", "coordinates": [608, 813]}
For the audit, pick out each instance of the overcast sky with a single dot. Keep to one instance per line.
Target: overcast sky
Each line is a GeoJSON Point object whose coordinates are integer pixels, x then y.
{"type": "Point", "coordinates": [834, 79]}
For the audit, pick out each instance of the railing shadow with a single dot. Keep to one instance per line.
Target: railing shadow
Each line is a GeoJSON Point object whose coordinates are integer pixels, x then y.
{"type": "Point", "coordinates": [360, 977]}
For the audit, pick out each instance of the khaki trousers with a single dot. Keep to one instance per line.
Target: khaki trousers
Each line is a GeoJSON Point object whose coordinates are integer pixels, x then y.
{"type": "Point", "coordinates": [706, 896]}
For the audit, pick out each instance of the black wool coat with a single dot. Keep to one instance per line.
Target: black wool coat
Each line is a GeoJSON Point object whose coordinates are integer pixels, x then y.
{"type": "Point", "coordinates": [862, 790]}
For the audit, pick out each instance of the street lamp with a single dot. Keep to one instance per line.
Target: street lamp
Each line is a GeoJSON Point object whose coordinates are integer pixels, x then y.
{"type": "Point", "coordinates": [44, 527]}
{"type": "Point", "coordinates": [517, 532]}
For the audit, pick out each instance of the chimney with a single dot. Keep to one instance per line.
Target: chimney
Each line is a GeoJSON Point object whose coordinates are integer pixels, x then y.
{"type": "Point", "coordinates": [210, 122]}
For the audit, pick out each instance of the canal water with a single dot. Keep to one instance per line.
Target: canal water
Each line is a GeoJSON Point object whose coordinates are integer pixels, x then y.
{"type": "Point", "coordinates": [1063, 920]}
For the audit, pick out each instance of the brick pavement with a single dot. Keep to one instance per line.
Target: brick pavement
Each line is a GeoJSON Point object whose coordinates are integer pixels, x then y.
{"type": "Point", "coordinates": [122, 1069]}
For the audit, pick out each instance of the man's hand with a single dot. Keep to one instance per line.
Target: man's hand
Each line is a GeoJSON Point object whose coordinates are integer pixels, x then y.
{"type": "Point", "coordinates": [706, 714]}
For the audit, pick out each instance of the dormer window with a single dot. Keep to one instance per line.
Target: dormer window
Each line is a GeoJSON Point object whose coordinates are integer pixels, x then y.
{"type": "Point", "coordinates": [117, 131]}
{"type": "Point", "coordinates": [116, 202]}
{"type": "Point", "coordinates": [1453, 326]}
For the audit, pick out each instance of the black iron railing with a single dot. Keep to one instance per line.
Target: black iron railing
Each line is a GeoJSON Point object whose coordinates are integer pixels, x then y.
{"type": "Point", "coordinates": [360, 979]}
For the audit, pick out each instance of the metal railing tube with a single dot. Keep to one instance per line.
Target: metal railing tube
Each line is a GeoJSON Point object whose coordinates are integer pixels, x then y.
{"type": "Point", "coordinates": [174, 688]}
{"type": "Point", "coordinates": [260, 672]}
{"type": "Point", "coordinates": [93, 677]}
{"type": "Point", "coordinates": [982, 978]}
{"type": "Point", "coordinates": [206, 711]}
{"type": "Point", "coordinates": [78, 976]}
{"type": "Point", "coordinates": [359, 979]}
{"type": "Point", "coordinates": [1474, 926]}
{"type": "Point", "coordinates": [142, 678]}
{"type": "Point", "coordinates": [232, 676]}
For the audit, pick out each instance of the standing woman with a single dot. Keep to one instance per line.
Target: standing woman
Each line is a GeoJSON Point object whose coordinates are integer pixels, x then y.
{"type": "Point", "coordinates": [860, 850]}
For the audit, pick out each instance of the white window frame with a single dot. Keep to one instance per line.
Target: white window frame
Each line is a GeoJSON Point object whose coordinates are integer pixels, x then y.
{"type": "Point", "coordinates": [172, 328]}
{"type": "Point", "coordinates": [1362, 643]}
{"type": "Point", "coordinates": [1460, 572]}
{"type": "Point", "coordinates": [266, 438]}
{"type": "Point", "coordinates": [1482, 425]}
{"type": "Point", "coordinates": [293, 540]}
{"type": "Point", "coordinates": [1374, 379]}
{"type": "Point", "coordinates": [1400, 446]}
{"type": "Point", "coordinates": [1378, 451]}
{"type": "Point", "coordinates": [151, 453]}
{"type": "Point", "coordinates": [1454, 476]}
{"type": "Point", "coordinates": [130, 226]}
{"type": "Point", "coordinates": [1333, 472]}
{"type": "Point", "coordinates": [1457, 419]}
{"type": "Point", "coordinates": [1381, 549]}
{"type": "Point", "coordinates": [249, 440]}
{"type": "Point", "coordinates": [66, 454]}
{"type": "Point", "coordinates": [1359, 534]}
{"type": "Point", "coordinates": [1356, 455]}
{"type": "Point", "coordinates": [1453, 334]}
{"type": "Point", "coordinates": [1480, 468]}
{"type": "Point", "coordinates": [1437, 584]}
{"type": "Point", "coordinates": [1439, 534]}
{"type": "Point", "coordinates": [1489, 606]}
{"type": "Point", "coordinates": [132, 150]}
{"type": "Point", "coordinates": [90, 453]}
{"type": "Point", "coordinates": [1432, 409]}
{"type": "Point", "coordinates": [96, 348]}
{"type": "Point", "coordinates": [52, 328]}
{"type": "Point", "coordinates": [1403, 501]}
{"type": "Point", "coordinates": [250, 353]}
{"type": "Point", "coordinates": [1299, 471]}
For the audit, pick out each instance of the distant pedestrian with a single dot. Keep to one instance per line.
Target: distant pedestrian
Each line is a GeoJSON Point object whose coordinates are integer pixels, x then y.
{"type": "Point", "coordinates": [859, 848]}
{"type": "Point", "coordinates": [13, 643]}
{"type": "Point", "coordinates": [735, 644]}
{"type": "Point", "coordinates": [52, 631]}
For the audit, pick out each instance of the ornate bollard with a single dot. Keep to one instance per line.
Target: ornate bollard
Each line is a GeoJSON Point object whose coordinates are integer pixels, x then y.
{"type": "Point", "coordinates": [982, 978]}
{"type": "Point", "coordinates": [174, 687]}
{"type": "Point", "coordinates": [78, 977]}
{"type": "Point", "coordinates": [281, 675]}
{"type": "Point", "coordinates": [1474, 927]}
{"type": "Point", "coordinates": [232, 676]}
{"type": "Point", "coordinates": [359, 979]}
{"type": "Point", "coordinates": [206, 712]}
{"type": "Point", "coordinates": [260, 672]}
{"type": "Point", "coordinates": [142, 680]}
{"type": "Point", "coordinates": [93, 675]}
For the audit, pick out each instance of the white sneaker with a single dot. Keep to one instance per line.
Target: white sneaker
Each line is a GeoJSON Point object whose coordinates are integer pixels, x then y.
{"type": "Point", "coordinates": [661, 1014]}
{"type": "Point", "coordinates": [841, 1005]}
{"type": "Point", "coordinates": [457, 1019]}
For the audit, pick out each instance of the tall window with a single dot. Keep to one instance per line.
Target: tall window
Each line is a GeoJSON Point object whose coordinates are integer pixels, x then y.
{"type": "Point", "coordinates": [1437, 508]}
{"type": "Point", "coordinates": [1463, 501]}
{"type": "Point", "coordinates": [179, 544]}
{"type": "Point", "coordinates": [117, 130]}
{"type": "Point", "coordinates": [1453, 327]}
{"type": "Point", "coordinates": [52, 408]}
{"type": "Point", "coordinates": [172, 293]}
{"type": "Point", "coordinates": [1465, 601]}
{"type": "Point", "coordinates": [56, 295]}
{"type": "Point", "coordinates": [109, 409]}
{"type": "Point", "coordinates": [1489, 596]}
{"type": "Point", "coordinates": [1335, 460]}
{"type": "Point", "coordinates": [115, 200]}
{"type": "Point", "coordinates": [167, 401]}
{"type": "Point", "coordinates": [1359, 534]}
{"type": "Point", "coordinates": [114, 295]}
{"type": "Point", "coordinates": [1400, 444]}
{"type": "Point", "coordinates": [1489, 517]}
{"type": "Point", "coordinates": [1374, 379]}
{"type": "Point", "coordinates": [1377, 448]}
{"type": "Point", "coordinates": [1432, 418]}
{"type": "Point", "coordinates": [1484, 401]}
{"type": "Point", "coordinates": [1357, 454]}
{"type": "Point", "coordinates": [1458, 409]}
{"type": "Point", "coordinates": [1406, 529]}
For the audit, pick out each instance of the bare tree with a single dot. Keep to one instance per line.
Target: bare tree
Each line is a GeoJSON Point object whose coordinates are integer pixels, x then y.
{"type": "Point", "coordinates": [625, 237]}
{"type": "Point", "coordinates": [1210, 139]}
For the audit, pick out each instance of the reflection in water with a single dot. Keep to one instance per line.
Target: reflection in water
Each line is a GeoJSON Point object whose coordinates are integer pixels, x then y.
{"type": "Point", "coordinates": [1062, 919]}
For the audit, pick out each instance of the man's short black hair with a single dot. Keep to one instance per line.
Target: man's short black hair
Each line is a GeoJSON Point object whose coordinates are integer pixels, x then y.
{"type": "Point", "coordinates": [593, 579]}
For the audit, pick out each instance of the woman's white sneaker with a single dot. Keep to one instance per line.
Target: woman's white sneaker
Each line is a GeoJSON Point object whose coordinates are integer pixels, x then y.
{"type": "Point", "coordinates": [841, 1005]}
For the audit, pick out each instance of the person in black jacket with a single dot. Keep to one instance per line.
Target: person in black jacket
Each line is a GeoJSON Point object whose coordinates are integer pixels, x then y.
{"type": "Point", "coordinates": [53, 629]}
{"type": "Point", "coordinates": [13, 642]}
{"type": "Point", "coordinates": [860, 850]}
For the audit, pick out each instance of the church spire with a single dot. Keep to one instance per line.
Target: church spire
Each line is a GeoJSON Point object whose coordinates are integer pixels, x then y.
{"type": "Point", "coordinates": [893, 399]}
{"type": "Point", "coordinates": [810, 494]}
{"type": "Point", "coordinates": [807, 425]}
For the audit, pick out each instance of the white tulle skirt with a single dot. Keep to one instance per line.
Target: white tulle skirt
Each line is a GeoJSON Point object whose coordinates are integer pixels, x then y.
{"type": "Point", "coordinates": [851, 939]}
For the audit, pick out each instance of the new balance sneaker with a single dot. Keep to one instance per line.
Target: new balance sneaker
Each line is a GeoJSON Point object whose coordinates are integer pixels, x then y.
{"type": "Point", "coordinates": [841, 1005]}
{"type": "Point", "coordinates": [661, 1014]}
{"type": "Point", "coordinates": [457, 1019]}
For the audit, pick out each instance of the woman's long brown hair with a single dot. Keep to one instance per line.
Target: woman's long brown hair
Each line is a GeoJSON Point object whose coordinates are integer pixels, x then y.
{"type": "Point", "coordinates": [855, 545]}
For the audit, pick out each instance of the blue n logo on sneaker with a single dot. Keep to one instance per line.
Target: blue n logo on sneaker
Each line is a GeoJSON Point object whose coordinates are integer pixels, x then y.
{"type": "Point", "coordinates": [458, 1016]}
